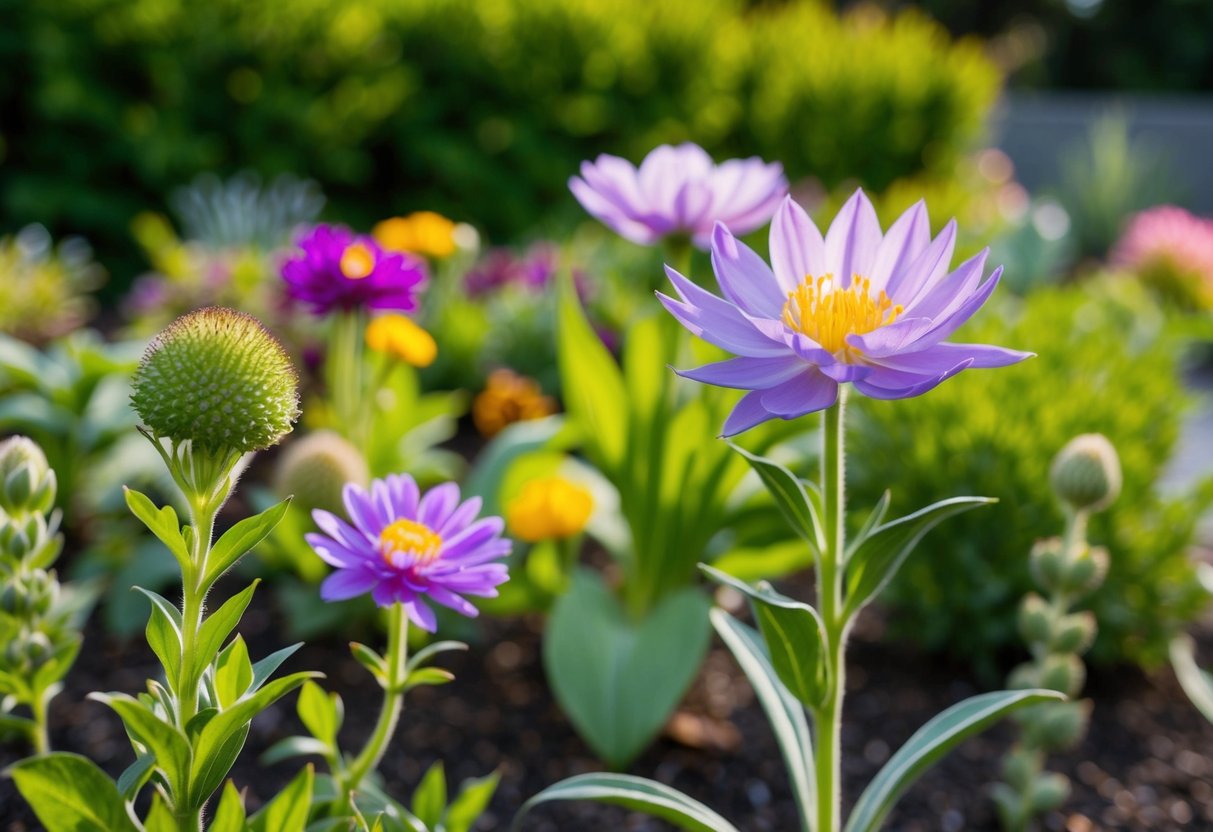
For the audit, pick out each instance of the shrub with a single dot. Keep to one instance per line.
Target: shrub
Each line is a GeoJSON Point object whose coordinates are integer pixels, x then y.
{"type": "Point", "coordinates": [1106, 364]}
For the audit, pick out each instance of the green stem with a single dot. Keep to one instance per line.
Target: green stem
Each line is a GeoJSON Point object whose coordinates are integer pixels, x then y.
{"type": "Point", "coordinates": [345, 371]}
{"type": "Point", "coordinates": [828, 718]}
{"type": "Point", "coordinates": [393, 702]}
{"type": "Point", "coordinates": [40, 734]}
{"type": "Point", "coordinates": [202, 518]}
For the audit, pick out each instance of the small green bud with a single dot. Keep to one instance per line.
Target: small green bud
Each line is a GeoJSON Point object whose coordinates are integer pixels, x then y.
{"type": "Point", "coordinates": [1019, 766]}
{"type": "Point", "coordinates": [1049, 791]}
{"type": "Point", "coordinates": [316, 468]}
{"type": "Point", "coordinates": [1073, 633]}
{"type": "Point", "coordinates": [1035, 619]}
{"type": "Point", "coordinates": [1047, 564]}
{"type": "Point", "coordinates": [1086, 473]}
{"type": "Point", "coordinates": [1085, 573]}
{"type": "Point", "coordinates": [1064, 673]}
{"type": "Point", "coordinates": [1058, 725]}
{"type": "Point", "coordinates": [25, 477]}
{"type": "Point", "coordinates": [217, 378]}
{"type": "Point", "coordinates": [1023, 677]}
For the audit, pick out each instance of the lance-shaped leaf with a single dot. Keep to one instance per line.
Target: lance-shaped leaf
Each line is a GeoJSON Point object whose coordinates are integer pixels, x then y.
{"type": "Point", "coordinates": [164, 634]}
{"type": "Point", "coordinates": [635, 793]}
{"type": "Point", "coordinates": [876, 560]}
{"type": "Point", "coordinates": [783, 710]}
{"type": "Point", "coordinates": [219, 625]}
{"type": "Point", "coordinates": [229, 815]}
{"type": "Point", "coordinates": [794, 634]}
{"type": "Point", "coordinates": [169, 746]}
{"type": "Point", "coordinates": [796, 499]}
{"type": "Point", "coordinates": [930, 742]}
{"type": "Point", "coordinates": [67, 791]}
{"type": "Point", "coordinates": [161, 522]}
{"type": "Point", "coordinates": [288, 811]}
{"type": "Point", "coordinates": [241, 538]}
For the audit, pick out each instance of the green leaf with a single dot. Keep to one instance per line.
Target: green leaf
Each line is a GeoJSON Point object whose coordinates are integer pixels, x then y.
{"type": "Point", "coordinates": [289, 747]}
{"type": "Point", "coordinates": [229, 814]}
{"type": "Point", "coordinates": [159, 817]}
{"type": "Point", "coordinates": [635, 793]}
{"type": "Point", "coordinates": [219, 624]}
{"type": "Point", "coordinates": [874, 519]}
{"type": "Point", "coordinates": [169, 746]}
{"type": "Point", "coordinates": [1197, 683]}
{"type": "Point", "coordinates": [618, 680]}
{"type": "Point", "coordinates": [164, 634]}
{"type": "Point", "coordinates": [371, 660]}
{"type": "Point", "coordinates": [791, 496]}
{"type": "Point", "coordinates": [471, 802]}
{"type": "Point", "coordinates": [161, 522]}
{"type": "Point", "coordinates": [288, 811]}
{"type": "Point", "coordinates": [876, 560]}
{"type": "Point", "coordinates": [592, 384]}
{"type": "Point", "coordinates": [265, 668]}
{"type": "Point", "coordinates": [136, 774]}
{"type": "Point", "coordinates": [320, 712]}
{"type": "Point", "coordinates": [429, 800]}
{"type": "Point", "coordinates": [233, 673]}
{"type": "Point", "coordinates": [69, 793]}
{"type": "Point", "coordinates": [932, 741]}
{"type": "Point", "coordinates": [241, 538]}
{"type": "Point", "coordinates": [794, 634]}
{"type": "Point", "coordinates": [783, 710]}
{"type": "Point", "coordinates": [428, 676]}
{"type": "Point", "coordinates": [430, 650]}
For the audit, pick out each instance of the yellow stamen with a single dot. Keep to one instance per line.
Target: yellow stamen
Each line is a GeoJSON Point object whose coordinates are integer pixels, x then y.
{"type": "Point", "coordinates": [357, 261]}
{"type": "Point", "coordinates": [826, 313]}
{"type": "Point", "coordinates": [408, 537]}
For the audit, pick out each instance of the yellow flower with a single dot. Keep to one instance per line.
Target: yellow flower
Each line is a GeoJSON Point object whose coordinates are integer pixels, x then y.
{"type": "Point", "coordinates": [422, 232]}
{"type": "Point", "coordinates": [549, 509]}
{"type": "Point", "coordinates": [401, 338]}
{"type": "Point", "coordinates": [509, 398]}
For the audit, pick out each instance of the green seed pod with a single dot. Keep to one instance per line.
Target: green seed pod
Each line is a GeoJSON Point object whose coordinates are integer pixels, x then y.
{"type": "Point", "coordinates": [1058, 726]}
{"type": "Point", "coordinates": [1035, 619]}
{"type": "Point", "coordinates": [27, 484]}
{"type": "Point", "coordinates": [1086, 473]}
{"type": "Point", "coordinates": [1049, 791]}
{"type": "Point", "coordinates": [1073, 633]}
{"type": "Point", "coordinates": [1064, 673]}
{"type": "Point", "coordinates": [217, 378]}
{"type": "Point", "coordinates": [316, 468]}
{"type": "Point", "coordinates": [1047, 564]}
{"type": "Point", "coordinates": [1085, 573]}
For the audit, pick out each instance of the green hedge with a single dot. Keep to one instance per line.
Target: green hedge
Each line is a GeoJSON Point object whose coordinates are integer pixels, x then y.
{"type": "Point", "coordinates": [478, 109]}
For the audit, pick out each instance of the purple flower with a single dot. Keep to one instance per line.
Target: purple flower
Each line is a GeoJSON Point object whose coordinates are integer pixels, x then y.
{"type": "Point", "coordinates": [403, 547]}
{"type": "Point", "coordinates": [679, 190]}
{"type": "Point", "coordinates": [858, 306]}
{"type": "Point", "coordinates": [336, 269]}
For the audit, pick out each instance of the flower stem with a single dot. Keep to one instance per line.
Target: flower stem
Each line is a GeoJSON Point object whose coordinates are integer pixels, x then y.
{"type": "Point", "coordinates": [39, 733]}
{"type": "Point", "coordinates": [828, 717]}
{"type": "Point", "coordinates": [345, 371]}
{"type": "Point", "coordinates": [393, 703]}
{"type": "Point", "coordinates": [202, 517]}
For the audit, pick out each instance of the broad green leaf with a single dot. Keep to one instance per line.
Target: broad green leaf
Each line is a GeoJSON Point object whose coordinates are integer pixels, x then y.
{"type": "Point", "coordinates": [618, 680]}
{"type": "Point", "coordinates": [233, 673]}
{"type": "Point", "coordinates": [265, 668]}
{"type": "Point", "coordinates": [219, 625]}
{"type": "Point", "coordinates": [218, 763]}
{"type": "Point", "coordinates": [69, 792]}
{"type": "Point", "coordinates": [164, 741]}
{"type": "Point", "coordinates": [635, 793]}
{"type": "Point", "coordinates": [161, 522]}
{"type": "Point", "coordinates": [237, 541]}
{"type": "Point", "coordinates": [429, 800]}
{"type": "Point", "coordinates": [783, 710]}
{"type": "Point", "coordinates": [284, 749]}
{"type": "Point", "coordinates": [770, 562]}
{"type": "Point", "coordinates": [792, 497]}
{"type": "Point", "coordinates": [876, 560]}
{"type": "Point", "coordinates": [229, 814]}
{"type": "Point", "coordinates": [164, 635]}
{"type": "Point", "coordinates": [288, 811]}
{"type": "Point", "coordinates": [320, 712]}
{"type": "Point", "coordinates": [1197, 683]}
{"type": "Point", "coordinates": [794, 635]}
{"type": "Point", "coordinates": [136, 774]}
{"type": "Point", "coordinates": [159, 817]}
{"type": "Point", "coordinates": [471, 802]}
{"type": "Point", "coordinates": [932, 741]}
{"type": "Point", "coordinates": [592, 383]}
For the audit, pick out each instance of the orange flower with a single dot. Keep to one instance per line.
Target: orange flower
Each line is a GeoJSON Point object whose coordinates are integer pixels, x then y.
{"type": "Point", "coordinates": [509, 398]}
{"type": "Point", "coordinates": [422, 232]}
{"type": "Point", "coordinates": [551, 508]}
{"type": "Point", "coordinates": [401, 338]}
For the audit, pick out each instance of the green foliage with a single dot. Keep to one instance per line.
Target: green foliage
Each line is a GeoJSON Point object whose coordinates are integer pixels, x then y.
{"type": "Point", "coordinates": [68, 792]}
{"type": "Point", "coordinates": [393, 106]}
{"type": "Point", "coordinates": [1106, 364]}
{"type": "Point", "coordinates": [44, 288]}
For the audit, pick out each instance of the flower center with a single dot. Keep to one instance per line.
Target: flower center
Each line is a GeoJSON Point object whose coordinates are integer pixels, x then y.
{"type": "Point", "coordinates": [408, 537]}
{"type": "Point", "coordinates": [826, 313]}
{"type": "Point", "coordinates": [357, 261]}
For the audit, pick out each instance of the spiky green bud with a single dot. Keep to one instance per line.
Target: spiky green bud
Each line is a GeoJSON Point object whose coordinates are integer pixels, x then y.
{"type": "Point", "coordinates": [316, 468]}
{"type": "Point", "coordinates": [1086, 473]}
{"type": "Point", "coordinates": [27, 483]}
{"type": "Point", "coordinates": [217, 378]}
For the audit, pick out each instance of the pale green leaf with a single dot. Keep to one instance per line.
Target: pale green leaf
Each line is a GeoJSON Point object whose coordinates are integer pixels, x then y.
{"type": "Point", "coordinates": [240, 539]}
{"type": "Point", "coordinates": [429, 799]}
{"type": "Point", "coordinates": [634, 793]}
{"type": "Point", "coordinates": [68, 792]}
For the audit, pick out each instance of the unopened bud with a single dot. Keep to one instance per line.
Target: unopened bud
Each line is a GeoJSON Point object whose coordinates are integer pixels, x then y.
{"type": "Point", "coordinates": [315, 469]}
{"type": "Point", "coordinates": [1086, 473]}
{"type": "Point", "coordinates": [1073, 633]}
{"type": "Point", "coordinates": [26, 479]}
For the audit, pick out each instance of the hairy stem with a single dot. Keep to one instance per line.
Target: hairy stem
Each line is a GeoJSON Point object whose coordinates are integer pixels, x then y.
{"type": "Point", "coordinates": [393, 703]}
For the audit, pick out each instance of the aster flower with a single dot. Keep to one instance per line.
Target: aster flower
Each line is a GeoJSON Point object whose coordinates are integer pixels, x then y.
{"type": "Point", "coordinates": [858, 306]}
{"type": "Point", "coordinates": [335, 269]}
{"type": "Point", "coordinates": [679, 191]}
{"type": "Point", "coordinates": [403, 548]}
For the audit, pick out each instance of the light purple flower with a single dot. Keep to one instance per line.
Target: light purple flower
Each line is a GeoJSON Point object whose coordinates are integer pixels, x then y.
{"type": "Point", "coordinates": [858, 306]}
{"type": "Point", "coordinates": [336, 269]}
{"type": "Point", "coordinates": [403, 547]}
{"type": "Point", "coordinates": [679, 190]}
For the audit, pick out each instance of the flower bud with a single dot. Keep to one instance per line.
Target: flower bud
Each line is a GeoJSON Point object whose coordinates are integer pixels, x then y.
{"type": "Point", "coordinates": [217, 378]}
{"type": "Point", "coordinates": [1058, 725]}
{"type": "Point", "coordinates": [1047, 564]}
{"type": "Point", "coordinates": [1019, 766]}
{"type": "Point", "coordinates": [1035, 619]}
{"type": "Point", "coordinates": [1049, 792]}
{"type": "Point", "coordinates": [1086, 473]}
{"type": "Point", "coordinates": [1086, 572]}
{"type": "Point", "coordinates": [1073, 633]}
{"type": "Point", "coordinates": [1063, 673]}
{"type": "Point", "coordinates": [315, 469]}
{"type": "Point", "coordinates": [27, 484]}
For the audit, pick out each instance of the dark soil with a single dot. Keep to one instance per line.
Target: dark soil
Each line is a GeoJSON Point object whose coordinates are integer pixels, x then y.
{"type": "Point", "coordinates": [1147, 763]}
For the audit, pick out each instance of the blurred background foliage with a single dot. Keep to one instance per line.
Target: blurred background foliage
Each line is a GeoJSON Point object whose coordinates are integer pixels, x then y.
{"type": "Point", "coordinates": [480, 109]}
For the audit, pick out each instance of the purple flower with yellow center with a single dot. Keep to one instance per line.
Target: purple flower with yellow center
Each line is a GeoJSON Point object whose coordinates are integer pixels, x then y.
{"type": "Point", "coordinates": [403, 547]}
{"type": "Point", "coordinates": [336, 269]}
{"type": "Point", "coordinates": [679, 191]}
{"type": "Point", "coordinates": [858, 306]}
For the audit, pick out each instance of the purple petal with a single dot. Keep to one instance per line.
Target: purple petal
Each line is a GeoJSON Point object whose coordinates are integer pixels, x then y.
{"type": "Point", "coordinates": [953, 321]}
{"type": "Point", "coordinates": [746, 373]}
{"type": "Point", "coordinates": [420, 614]}
{"type": "Point", "coordinates": [405, 495]}
{"type": "Point", "coordinates": [715, 320]}
{"type": "Point", "coordinates": [453, 601]}
{"type": "Point", "coordinates": [334, 553]}
{"type": "Point", "coordinates": [746, 414]}
{"type": "Point", "coordinates": [358, 505]}
{"type": "Point", "coordinates": [744, 277]}
{"type": "Point", "coordinates": [438, 503]}
{"type": "Point", "coordinates": [475, 535]}
{"type": "Point", "coordinates": [348, 583]}
{"type": "Point", "coordinates": [895, 384]}
{"type": "Point", "coordinates": [952, 290]}
{"type": "Point", "coordinates": [906, 284]}
{"type": "Point", "coordinates": [339, 530]}
{"type": "Point", "coordinates": [797, 249]}
{"type": "Point", "coordinates": [809, 392]}
{"type": "Point", "coordinates": [906, 240]}
{"type": "Point", "coordinates": [941, 358]}
{"type": "Point", "coordinates": [851, 242]}
{"type": "Point", "coordinates": [890, 339]}
{"type": "Point", "coordinates": [460, 517]}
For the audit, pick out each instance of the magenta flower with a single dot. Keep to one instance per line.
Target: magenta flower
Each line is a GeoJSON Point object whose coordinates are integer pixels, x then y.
{"type": "Point", "coordinates": [858, 306]}
{"type": "Point", "coordinates": [335, 269]}
{"type": "Point", "coordinates": [1167, 235]}
{"type": "Point", "coordinates": [403, 547]}
{"type": "Point", "coordinates": [679, 190]}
